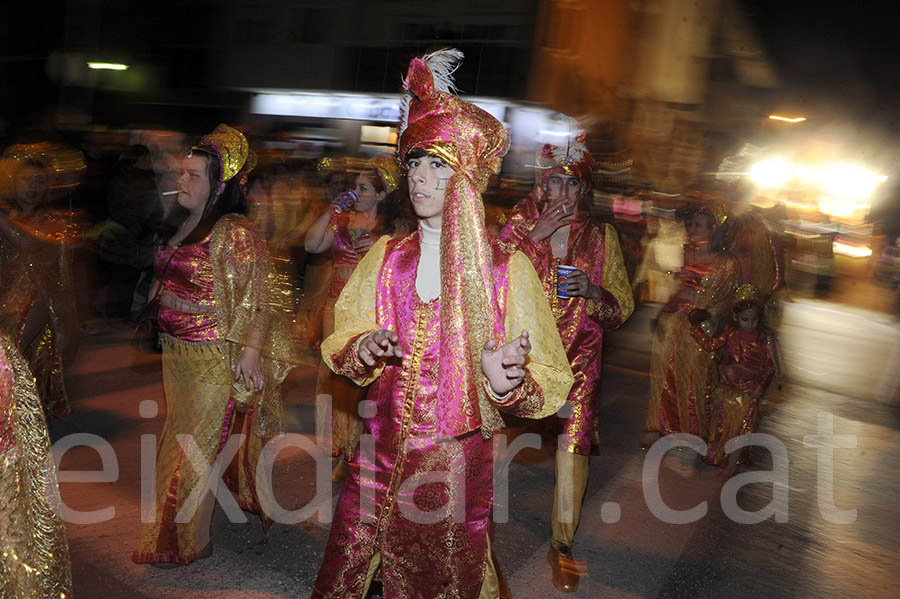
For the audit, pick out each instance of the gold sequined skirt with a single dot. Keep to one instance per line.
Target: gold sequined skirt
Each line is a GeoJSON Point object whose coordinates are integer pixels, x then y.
{"type": "Point", "coordinates": [34, 554]}
{"type": "Point", "coordinates": [198, 388]}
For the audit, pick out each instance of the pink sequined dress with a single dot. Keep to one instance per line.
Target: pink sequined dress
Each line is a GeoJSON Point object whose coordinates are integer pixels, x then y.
{"type": "Point", "coordinates": [746, 365]}
{"type": "Point", "coordinates": [215, 302]}
{"type": "Point", "coordinates": [681, 371]}
{"type": "Point", "coordinates": [346, 425]}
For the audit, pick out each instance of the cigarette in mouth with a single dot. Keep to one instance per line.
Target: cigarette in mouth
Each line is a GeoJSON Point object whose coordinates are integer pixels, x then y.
{"type": "Point", "coordinates": [170, 193]}
{"type": "Point", "coordinates": [564, 210]}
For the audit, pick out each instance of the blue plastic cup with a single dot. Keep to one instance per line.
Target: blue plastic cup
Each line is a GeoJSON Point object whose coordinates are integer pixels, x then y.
{"type": "Point", "coordinates": [562, 273]}
{"type": "Point", "coordinates": [345, 201]}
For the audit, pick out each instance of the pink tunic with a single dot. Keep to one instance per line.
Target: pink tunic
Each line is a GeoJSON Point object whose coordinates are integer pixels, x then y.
{"type": "Point", "coordinates": [450, 550]}
{"type": "Point", "coordinates": [190, 278]}
{"type": "Point", "coordinates": [580, 328]}
{"type": "Point", "coordinates": [7, 418]}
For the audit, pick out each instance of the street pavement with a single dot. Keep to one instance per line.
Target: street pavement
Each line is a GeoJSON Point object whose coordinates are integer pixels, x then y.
{"type": "Point", "coordinates": [841, 372]}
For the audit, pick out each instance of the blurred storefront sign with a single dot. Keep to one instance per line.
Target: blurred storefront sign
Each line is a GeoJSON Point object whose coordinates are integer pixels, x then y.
{"type": "Point", "coordinates": [377, 115]}
{"type": "Point", "coordinates": [328, 106]}
{"type": "Point", "coordinates": [358, 107]}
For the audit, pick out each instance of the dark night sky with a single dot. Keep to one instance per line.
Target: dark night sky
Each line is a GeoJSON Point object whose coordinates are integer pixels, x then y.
{"type": "Point", "coordinates": [838, 61]}
{"type": "Point", "coordinates": [840, 58]}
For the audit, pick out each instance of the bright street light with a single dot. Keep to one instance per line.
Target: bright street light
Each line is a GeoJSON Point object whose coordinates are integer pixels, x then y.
{"type": "Point", "coordinates": [787, 119]}
{"type": "Point", "coordinates": [771, 173]}
{"type": "Point", "coordinates": [109, 66]}
{"type": "Point", "coordinates": [848, 180]}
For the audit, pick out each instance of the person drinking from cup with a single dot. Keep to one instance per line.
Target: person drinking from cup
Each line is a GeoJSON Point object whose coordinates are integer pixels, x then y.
{"type": "Point", "coordinates": [354, 220]}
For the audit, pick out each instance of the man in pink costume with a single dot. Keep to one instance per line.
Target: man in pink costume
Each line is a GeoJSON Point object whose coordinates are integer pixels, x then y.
{"type": "Point", "coordinates": [434, 322]}
{"type": "Point", "coordinates": [554, 228]}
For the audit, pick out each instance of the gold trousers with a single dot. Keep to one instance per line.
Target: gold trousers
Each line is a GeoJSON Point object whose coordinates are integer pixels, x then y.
{"type": "Point", "coordinates": [572, 471]}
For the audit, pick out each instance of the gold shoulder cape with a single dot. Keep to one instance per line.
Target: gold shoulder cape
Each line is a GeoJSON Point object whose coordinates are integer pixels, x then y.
{"type": "Point", "coordinates": [249, 314]}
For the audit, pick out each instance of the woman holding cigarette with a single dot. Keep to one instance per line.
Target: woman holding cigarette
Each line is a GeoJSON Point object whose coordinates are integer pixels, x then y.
{"type": "Point", "coordinates": [355, 219]}
{"type": "Point", "coordinates": [225, 354]}
{"type": "Point", "coordinates": [580, 265]}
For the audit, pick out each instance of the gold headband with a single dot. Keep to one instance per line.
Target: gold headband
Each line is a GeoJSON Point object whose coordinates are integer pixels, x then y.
{"type": "Point", "coordinates": [745, 292]}
{"type": "Point", "coordinates": [385, 166]}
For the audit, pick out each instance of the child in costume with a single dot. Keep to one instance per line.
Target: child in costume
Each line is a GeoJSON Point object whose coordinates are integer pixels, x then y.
{"type": "Point", "coordinates": [747, 362]}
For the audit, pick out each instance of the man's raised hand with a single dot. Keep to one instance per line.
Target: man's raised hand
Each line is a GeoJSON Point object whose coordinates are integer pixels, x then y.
{"type": "Point", "coordinates": [504, 366]}
{"type": "Point", "coordinates": [553, 216]}
{"type": "Point", "coordinates": [379, 345]}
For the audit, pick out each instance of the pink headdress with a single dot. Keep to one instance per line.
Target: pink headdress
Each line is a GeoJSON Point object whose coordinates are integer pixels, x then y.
{"type": "Point", "coordinates": [473, 143]}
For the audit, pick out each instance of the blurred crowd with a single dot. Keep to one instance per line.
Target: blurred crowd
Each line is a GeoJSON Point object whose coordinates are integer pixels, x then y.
{"type": "Point", "coordinates": [82, 216]}
{"type": "Point", "coordinates": [235, 249]}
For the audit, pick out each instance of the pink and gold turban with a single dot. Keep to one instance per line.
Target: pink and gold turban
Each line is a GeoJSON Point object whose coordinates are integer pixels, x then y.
{"type": "Point", "coordinates": [473, 143]}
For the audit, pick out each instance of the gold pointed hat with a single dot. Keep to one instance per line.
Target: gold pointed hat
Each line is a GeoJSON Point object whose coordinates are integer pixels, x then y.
{"type": "Point", "coordinates": [230, 146]}
{"type": "Point", "coordinates": [389, 171]}
{"type": "Point", "coordinates": [66, 166]}
{"type": "Point", "coordinates": [386, 167]}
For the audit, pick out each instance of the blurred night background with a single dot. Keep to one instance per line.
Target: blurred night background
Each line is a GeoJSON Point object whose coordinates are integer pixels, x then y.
{"type": "Point", "coordinates": [787, 110]}
{"type": "Point", "coordinates": [671, 87]}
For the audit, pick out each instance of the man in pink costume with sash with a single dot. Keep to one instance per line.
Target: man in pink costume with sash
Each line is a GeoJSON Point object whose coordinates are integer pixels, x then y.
{"type": "Point", "coordinates": [430, 321]}
{"type": "Point", "coordinates": [552, 226]}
